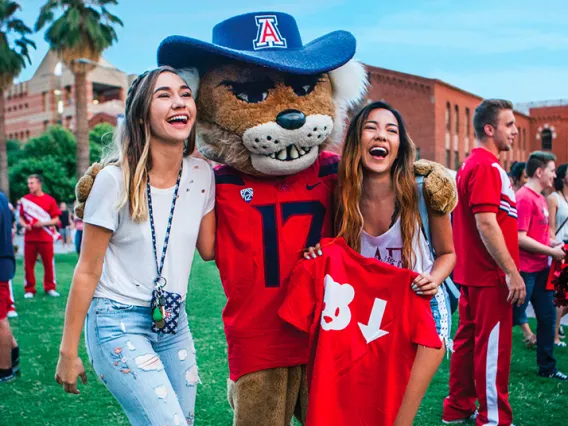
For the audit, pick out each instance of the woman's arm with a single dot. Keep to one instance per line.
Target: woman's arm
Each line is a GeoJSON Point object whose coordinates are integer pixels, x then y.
{"type": "Point", "coordinates": [443, 243]}
{"type": "Point", "coordinates": [552, 210]}
{"type": "Point", "coordinates": [425, 366]}
{"type": "Point", "coordinates": [206, 238]}
{"type": "Point", "coordinates": [85, 280]}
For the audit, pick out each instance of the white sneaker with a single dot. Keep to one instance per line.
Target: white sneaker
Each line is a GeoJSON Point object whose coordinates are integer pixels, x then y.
{"type": "Point", "coordinates": [53, 293]}
{"type": "Point", "coordinates": [12, 314]}
{"type": "Point", "coordinates": [29, 295]}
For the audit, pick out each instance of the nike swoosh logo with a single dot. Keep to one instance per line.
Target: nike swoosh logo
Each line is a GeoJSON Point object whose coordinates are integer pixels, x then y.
{"type": "Point", "coordinates": [310, 187]}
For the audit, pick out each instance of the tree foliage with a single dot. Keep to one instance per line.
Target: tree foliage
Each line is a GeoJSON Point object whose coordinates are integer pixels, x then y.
{"type": "Point", "coordinates": [51, 155]}
{"type": "Point", "coordinates": [15, 54]}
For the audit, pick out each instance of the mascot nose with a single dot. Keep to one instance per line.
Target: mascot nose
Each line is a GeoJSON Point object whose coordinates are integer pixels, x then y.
{"type": "Point", "coordinates": [291, 119]}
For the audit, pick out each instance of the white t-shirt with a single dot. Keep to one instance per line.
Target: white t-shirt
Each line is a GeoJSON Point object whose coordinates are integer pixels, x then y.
{"type": "Point", "coordinates": [388, 248]}
{"type": "Point", "coordinates": [129, 266]}
{"type": "Point", "coordinates": [561, 215]}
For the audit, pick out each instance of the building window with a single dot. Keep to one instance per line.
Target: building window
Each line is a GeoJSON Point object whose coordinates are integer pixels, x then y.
{"type": "Point", "coordinates": [467, 123]}
{"type": "Point", "coordinates": [448, 117]}
{"type": "Point", "coordinates": [27, 134]}
{"type": "Point", "coordinates": [45, 124]}
{"type": "Point", "coordinates": [22, 135]}
{"type": "Point", "coordinates": [456, 160]}
{"type": "Point", "coordinates": [524, 141]}
{"type": "Point", "coordinates": [448, 158]}
{"type": "Point", "coordinates": [26, 105]}
{"type": "Point", "coordinates": [457, 120]}
{"type": "Point", "coordinates": [417, 153]}
{"type": "Point", "coordinates": [546, 137]}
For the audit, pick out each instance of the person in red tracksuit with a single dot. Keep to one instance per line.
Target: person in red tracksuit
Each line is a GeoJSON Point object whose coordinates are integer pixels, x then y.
{"type": "Point", "coordinates": [38, 214]}
{"type": "Point", "coordinates": [487, 251]}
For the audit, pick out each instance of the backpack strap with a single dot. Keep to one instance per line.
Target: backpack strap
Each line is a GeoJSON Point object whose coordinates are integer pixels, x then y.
{"type": "Point", "coordinates": [423, 210]}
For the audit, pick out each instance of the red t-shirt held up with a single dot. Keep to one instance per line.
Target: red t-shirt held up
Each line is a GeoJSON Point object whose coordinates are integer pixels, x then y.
{"type": "Point", "coordinates": [365, 323]}
{"type": "Point", "coordinates": [483, 187]}
{"type": "Point", "coordinates": [533, 219]}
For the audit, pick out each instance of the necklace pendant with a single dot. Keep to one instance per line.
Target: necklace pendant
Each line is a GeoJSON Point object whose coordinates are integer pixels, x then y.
{"type": "Point", "coordinates": [157, 314]}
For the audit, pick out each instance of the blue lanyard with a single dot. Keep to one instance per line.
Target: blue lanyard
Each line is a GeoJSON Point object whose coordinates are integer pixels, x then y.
{"type": "Point", "coordinates": [160, 281]}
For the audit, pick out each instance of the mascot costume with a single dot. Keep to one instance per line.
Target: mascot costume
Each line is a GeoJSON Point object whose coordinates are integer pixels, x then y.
{"type": "Point", "coordinates": [268, 106]}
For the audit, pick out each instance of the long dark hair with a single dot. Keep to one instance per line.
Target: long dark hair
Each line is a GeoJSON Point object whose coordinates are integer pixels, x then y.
{"type": "Point", "coordinates": [560, 176]}
{"type": "Point", "coordinates": [350, 177]}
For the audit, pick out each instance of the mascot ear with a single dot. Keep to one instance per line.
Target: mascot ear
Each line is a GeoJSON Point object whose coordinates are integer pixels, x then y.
{"type": "Point", "coordinates": [439, 186]}
{"type": "Point", "coordinates": [191, 77]}
{"type": "Point", "coordinates": [84, 186]}
{"type": "Point", "coordinates": [349, 84]}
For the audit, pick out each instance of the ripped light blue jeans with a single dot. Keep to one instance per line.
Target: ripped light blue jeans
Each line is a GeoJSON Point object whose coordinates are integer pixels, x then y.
{"type": "Point", "coordinates": [153, 376]}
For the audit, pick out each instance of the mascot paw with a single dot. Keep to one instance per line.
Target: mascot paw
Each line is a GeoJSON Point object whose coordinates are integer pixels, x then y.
{"type": "Point", "coordinates": [83, 187]}
{"type": "Point", "coordinates": [439, 186]}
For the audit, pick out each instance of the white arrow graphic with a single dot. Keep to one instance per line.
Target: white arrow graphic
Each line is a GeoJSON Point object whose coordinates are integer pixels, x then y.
{"type": "Point", "coordinates": [372, 331]}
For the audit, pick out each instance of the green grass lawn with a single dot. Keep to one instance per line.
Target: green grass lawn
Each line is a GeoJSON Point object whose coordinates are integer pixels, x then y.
{"type": "Point", "coordinates": [35, 399]}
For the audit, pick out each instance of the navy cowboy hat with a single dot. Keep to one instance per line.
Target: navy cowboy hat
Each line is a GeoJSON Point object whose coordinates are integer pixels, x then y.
{"type": "Point", "coordinates": [268, 39]}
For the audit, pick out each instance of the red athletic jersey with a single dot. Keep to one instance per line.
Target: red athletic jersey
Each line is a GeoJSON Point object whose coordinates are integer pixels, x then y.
{"type": "Point", "coordinates": [365, 323]}
{"type": "Point", "coordinates": [262, 226]}
{"type": "Point", "coordinates": [47, 203]}
{"type": "Point", "coordinates": [483, 186]}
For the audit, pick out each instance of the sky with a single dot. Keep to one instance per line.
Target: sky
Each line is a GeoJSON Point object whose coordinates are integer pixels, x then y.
{"type": "Point", "coordinates": [492, 48]}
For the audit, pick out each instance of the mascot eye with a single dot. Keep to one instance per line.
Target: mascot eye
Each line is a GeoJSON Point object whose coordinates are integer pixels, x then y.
{"type": "Point", "coordinates": [303, 85]}
{"type": "Point", "coordinates": [252, 97]}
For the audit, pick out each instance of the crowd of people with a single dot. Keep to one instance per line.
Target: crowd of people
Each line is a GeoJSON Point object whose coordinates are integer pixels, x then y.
{"type": "Point", "coordinates": [498, 244]}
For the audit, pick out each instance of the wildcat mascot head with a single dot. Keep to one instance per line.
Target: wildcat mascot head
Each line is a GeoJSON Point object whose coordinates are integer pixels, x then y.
{"type": "Point", "coordinates": [267, 104]}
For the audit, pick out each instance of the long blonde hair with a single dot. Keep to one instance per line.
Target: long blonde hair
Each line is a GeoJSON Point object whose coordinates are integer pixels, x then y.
{"type": "Point", "coordinates": [131, 143]}
{"type": "Point", "coordinates": [350, 176]}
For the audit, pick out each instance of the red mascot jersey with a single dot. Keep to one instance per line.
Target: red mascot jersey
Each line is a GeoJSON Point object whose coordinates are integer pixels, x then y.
{"type": "Point", "coordinates": [263, 224]}
{"type": "Point", "coordinates": [364, 323]}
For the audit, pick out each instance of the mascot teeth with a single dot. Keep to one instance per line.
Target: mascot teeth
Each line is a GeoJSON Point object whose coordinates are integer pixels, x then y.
{"type": "Point", "coordinates": [294, 152]}
{"type": "Point", "coordinates": [291, 152]}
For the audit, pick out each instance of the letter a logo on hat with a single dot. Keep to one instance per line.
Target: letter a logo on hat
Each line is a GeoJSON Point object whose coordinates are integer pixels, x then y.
{"type": "Point", "coordinates": [268, 34]}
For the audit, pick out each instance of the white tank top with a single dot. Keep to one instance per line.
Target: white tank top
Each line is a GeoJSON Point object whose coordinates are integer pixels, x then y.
{"type": "Point", "coordinates": [561, 215]}
{"type": "Point", "coordinates": [388, 248]}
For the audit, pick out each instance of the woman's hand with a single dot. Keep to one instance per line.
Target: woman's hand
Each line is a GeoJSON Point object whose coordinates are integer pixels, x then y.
{"type": "Point", "coordinates": [68, 369]}
{"type": "Point", "coordinates": [425, 285]}
{"type": "Point", "coordinates": [313, 252]}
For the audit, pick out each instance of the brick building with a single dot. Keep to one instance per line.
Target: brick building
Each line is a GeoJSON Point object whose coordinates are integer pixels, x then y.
{"type": "Point", "coordinates": [438, 115]}
{"type": "Point", "coordinates": [48, 98]}
{"type": "Point", "coordinates": [439, 118]}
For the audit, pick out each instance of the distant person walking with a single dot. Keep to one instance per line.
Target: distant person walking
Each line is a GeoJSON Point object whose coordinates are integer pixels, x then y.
{"type": "Point", "coordinates": [558, 209]}
{"type": "Point", "coordinates": [65, 226]}
{"type": "Point", "coordinates": [9, 351]}
{"type": "Point", "coordinates": [38, 215]}
{"type": "Point", "coordinates": [78, 223]}
{"type": "Point", "coordinates": [536, 247]}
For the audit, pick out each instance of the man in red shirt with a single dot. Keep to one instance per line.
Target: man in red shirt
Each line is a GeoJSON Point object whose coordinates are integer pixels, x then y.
{"type": "Point", "coordinates": [366, 326]}
{"type": "Point", "coordinates": [38, 215]}
{"type": "Point", "coordinates": [487, 251]}
{"type": "Point", "coordinates": [536, 247]}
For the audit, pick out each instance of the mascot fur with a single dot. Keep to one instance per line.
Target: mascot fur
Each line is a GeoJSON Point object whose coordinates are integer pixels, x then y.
{"type": "Point", "coordinates": [268, 106]}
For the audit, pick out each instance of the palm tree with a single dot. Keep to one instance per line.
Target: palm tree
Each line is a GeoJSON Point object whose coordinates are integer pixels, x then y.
{"type": "Point", "coordinates": [83, 30]}
{"type": "Point", "coordinates": [12, 62]}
